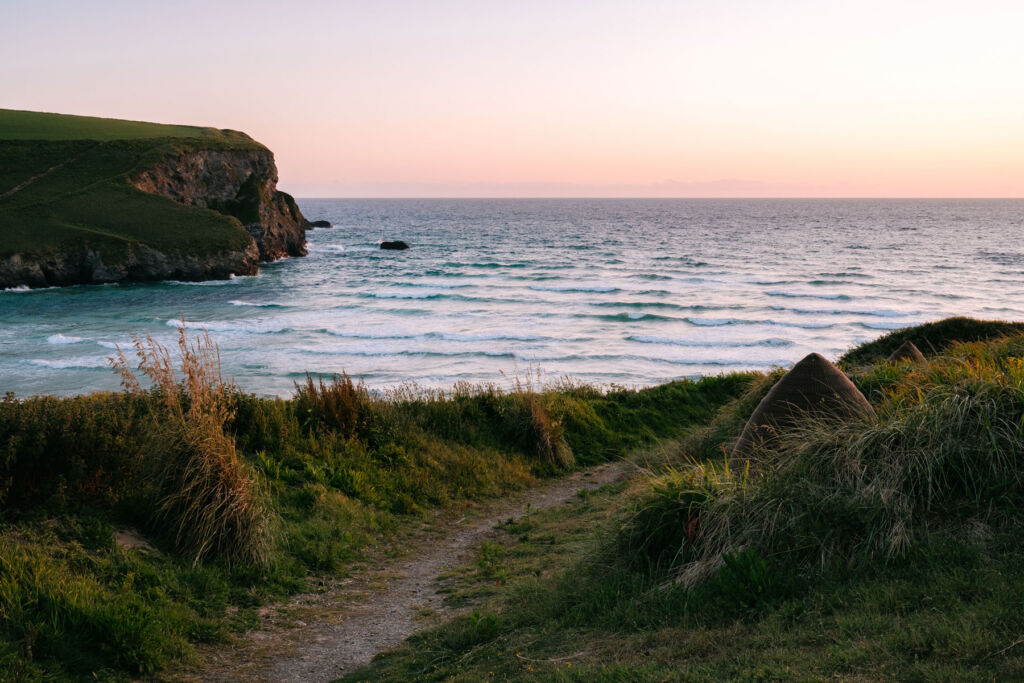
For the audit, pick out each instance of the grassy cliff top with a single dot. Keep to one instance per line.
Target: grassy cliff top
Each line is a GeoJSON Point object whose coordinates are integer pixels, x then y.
{"type": "Point", "coordinates": [31, 125]}
{"type": "Point", "coordinates": [64, 181]}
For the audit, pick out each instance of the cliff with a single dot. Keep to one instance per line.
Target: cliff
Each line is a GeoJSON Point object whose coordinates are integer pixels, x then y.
{"type": "Point", "coordinates": [80, 205]}
{"type": "Point", "coordinates": [239, 183]}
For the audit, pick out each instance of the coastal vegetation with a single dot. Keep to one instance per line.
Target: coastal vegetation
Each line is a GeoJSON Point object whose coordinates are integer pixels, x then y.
{"type": "Point", "coordinates": [140, 524]}
{"type": "Point", "coordinates": [883, 545]}
{"type": "Point", "coordinates": [244, 500]}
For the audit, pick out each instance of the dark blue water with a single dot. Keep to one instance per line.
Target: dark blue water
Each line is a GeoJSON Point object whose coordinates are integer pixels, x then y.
{"type": "Point", "coordinates": [630, 292]}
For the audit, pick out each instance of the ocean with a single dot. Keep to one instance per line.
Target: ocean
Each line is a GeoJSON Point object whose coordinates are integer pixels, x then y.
{"type": "Point", "coordinates": [607, 291]}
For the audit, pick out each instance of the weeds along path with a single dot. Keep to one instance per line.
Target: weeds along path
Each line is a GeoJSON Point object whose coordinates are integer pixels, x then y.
{"type": "Point", "coordinates": [329, 634]}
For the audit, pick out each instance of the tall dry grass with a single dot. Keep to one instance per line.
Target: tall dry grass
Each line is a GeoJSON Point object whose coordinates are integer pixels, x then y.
{"type": "Point", "coordinates": [341, 405]}
{"type": "Point", "coordinates": [206, 497]}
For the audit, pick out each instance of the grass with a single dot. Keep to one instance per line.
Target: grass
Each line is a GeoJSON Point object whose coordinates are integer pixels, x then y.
{"type": "Point", "coordinates": [73, 178]}
{"type": "Point", "coordinates": [885, 546]}
{"type": "Point", "coordinates": [248, 500]}
{"type": "Point", "coordinates": [567, 611]}
{"type": "Point", "coordinates": [878, 547]}
{"type": "Point", "coordinates": [206, 495]}
{"type": "Point", "coordinates": [31, 125]}
{"type": "Point", "coordinates": [930, 338]}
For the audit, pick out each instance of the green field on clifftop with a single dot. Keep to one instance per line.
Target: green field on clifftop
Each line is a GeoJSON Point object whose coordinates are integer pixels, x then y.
{"type": "Point", "coordinates": [31, 125]}
{"type": "Point", "coordinates": [64, 182]}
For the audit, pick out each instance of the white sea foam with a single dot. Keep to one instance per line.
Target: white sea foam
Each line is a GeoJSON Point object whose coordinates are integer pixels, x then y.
{"type": "Point", "coordinates": [69, 363]}
{"type": "Point", "coordinates": [886, 325]}
{"type": "Point", "coordinates": [64, 339]}
{"type": "Point", "coordinates": [809, 295]}
{"type": "Point", "coordinates": [711, 344]}
{"type": "Point", "coordinates": [231, 280]}
{"type": "Point", "coordinates": [258, 304]}
{"type": "Point", "coordinates": [601, 289]}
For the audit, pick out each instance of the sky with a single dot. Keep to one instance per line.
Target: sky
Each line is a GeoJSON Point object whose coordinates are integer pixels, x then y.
{"type": "Point", "coordinates": [451, 98]}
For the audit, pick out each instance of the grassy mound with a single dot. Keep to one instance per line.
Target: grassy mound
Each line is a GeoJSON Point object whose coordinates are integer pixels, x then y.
{"type": "Point", "coordinates": [248, 499]}
{"type": "Point", "coordinates": [944, 450]}
{"type": "Point", "coordinates": [63, 181]}
{"type": "Point", "coordinates": [930, 338]}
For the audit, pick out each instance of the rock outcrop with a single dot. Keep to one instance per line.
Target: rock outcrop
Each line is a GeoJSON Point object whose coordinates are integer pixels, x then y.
{"type": "Point", "coordinates": [907, 352]}
{"type": "Point", "coordinates": [237, 182]}
{"type": "Point", "coordinates": [812, 387]}
{"type": "Point", "coordinates": [81, 264]}
{"type": "Point", "coordinates": [394, 245]}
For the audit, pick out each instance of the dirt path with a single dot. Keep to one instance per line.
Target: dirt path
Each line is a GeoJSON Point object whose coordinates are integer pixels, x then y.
{"type": "Point", "coordinates": [337, 632]}
{"type": "Point", "coordinates": [18, 188]}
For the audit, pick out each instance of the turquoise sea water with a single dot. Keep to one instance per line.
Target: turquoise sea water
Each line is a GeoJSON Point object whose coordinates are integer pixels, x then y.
{"type": "Point", "coordinates": [631, 292]}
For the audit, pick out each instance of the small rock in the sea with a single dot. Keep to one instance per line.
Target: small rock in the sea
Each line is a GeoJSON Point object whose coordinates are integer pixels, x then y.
{"type": "Point", "coordinates": [320, 224]}
{"type": "Point", "coordinates": [394, 245]}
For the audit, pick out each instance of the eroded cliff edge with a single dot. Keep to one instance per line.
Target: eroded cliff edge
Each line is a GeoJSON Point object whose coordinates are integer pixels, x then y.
{"type": "Point", "coordinates": [198, 204]}
{"type": "Point", "coordinates": [237, 183]}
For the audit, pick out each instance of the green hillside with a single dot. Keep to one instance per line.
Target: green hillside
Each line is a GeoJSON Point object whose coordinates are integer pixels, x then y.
{"type": "Point", "coordinates": [64, 182]}
{"type": "Point", "coordinates": [31, 125]}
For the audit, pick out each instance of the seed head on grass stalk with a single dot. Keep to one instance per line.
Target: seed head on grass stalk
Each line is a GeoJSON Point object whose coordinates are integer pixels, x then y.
{"type": "Point", "coordinates": [205, 494]}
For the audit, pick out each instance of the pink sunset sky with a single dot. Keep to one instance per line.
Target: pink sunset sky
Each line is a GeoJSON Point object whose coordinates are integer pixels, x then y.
{"type": "Point", "coordinates": [642, 98]}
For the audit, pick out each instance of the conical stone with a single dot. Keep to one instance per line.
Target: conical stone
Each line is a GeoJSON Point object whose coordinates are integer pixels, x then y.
{"type": "Point", "coordinates": [907, 351]}
{"type": "Point", "coordinates": [813, 386]}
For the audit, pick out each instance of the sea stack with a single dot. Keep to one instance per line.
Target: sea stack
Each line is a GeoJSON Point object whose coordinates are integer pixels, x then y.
{"type": "Point", "coordinates": [907, 352]}
{"type": "Point", "coordinates": [812, 387]}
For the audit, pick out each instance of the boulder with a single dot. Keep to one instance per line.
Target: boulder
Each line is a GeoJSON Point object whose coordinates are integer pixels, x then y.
{"type": "Point", "coordinates": [812, 387]}
{"type": "Point", "coordinates": [907, 352]}
{"type": "Point", "coordinates": [319, 224]}
{"type": "Point", "coordinates": [394, 245]}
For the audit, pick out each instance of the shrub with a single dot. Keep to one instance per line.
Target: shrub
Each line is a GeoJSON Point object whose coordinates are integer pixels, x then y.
{"type": "Point", "coordinates": [537, 433]}
{"type": "Point", "coordinates": [61, 453]}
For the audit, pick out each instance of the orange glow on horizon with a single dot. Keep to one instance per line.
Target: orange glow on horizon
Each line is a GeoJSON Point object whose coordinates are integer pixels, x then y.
{"type": "Point", "coordinates": [656, 98]}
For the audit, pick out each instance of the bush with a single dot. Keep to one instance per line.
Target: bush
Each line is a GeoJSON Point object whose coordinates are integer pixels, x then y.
{"type": "Point", "coordinates": [61, 453]}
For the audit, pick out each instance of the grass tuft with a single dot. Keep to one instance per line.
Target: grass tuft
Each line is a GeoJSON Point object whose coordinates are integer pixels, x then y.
{"type": "Point", "coordinates": [207, 496]}
{"type": "Point", "coordinates": [338, 406]}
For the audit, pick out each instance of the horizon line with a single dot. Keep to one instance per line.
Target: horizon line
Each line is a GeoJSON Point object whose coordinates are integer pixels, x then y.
{"type": "Point", "coordinates": [731, 197]}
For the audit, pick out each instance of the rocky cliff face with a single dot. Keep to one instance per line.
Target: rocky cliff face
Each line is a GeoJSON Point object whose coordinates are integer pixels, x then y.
{"type": "Point", "coordinates": [240, 183]}
{"type": "Point", "coordinates": [131, 239]}
{"type": "Point", "coordinates": [82, 264]}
